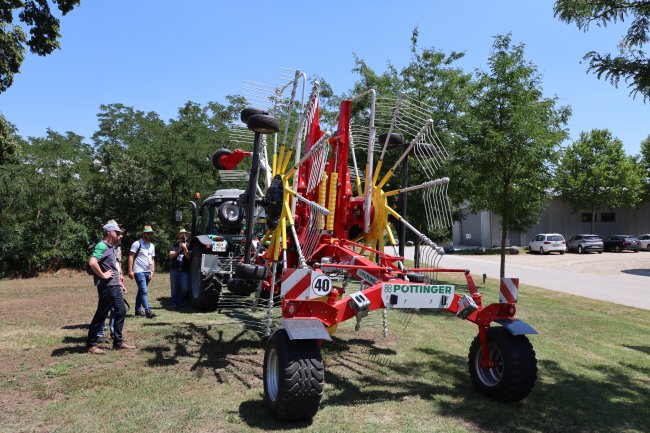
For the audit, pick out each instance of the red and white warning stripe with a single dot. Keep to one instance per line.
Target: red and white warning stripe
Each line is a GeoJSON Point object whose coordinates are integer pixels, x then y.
{"type": "Point", "coordinates": [509, 290]}
{"type": "Point", "coordinates": [303, 284]}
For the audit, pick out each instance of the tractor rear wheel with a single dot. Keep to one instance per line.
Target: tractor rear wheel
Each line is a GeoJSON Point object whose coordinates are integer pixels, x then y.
{"type": "Point", "coordinates": [294, 376]}
{"type": "Point", "coordinates": [203, 296]}
{"type": "Point", "coordinates": [515, 371]}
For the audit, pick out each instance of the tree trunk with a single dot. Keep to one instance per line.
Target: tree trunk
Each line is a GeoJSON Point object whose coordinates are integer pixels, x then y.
{"type": "Point", "coordinates": [173, 204]}
{"type": "Point", "coordinates": [504, 229]}
{"type": "Point", "coordinates": [593, 219]}
{"type": "Point", "coordinates": [504, 238]}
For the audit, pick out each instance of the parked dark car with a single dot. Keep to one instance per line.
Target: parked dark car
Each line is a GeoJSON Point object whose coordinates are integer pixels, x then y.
{"type": "Point", "coordinates": [585, 244]}
{"type": "Point", "coordinates": [619, 243]}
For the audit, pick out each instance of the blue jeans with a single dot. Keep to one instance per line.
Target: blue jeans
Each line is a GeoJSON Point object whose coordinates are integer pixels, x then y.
{"type": "Point", "coordinates": [110, 298]}
{"type": "Point", "coordinates": [179, 282]}
{"type": "Point", "coordinates": [142, 298]}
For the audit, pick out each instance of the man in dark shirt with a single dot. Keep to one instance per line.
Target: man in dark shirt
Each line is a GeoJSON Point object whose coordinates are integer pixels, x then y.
{"type": "Point", "coordinates": [179, 277]}
{"type": "Point", "coordinates": [103, 262]}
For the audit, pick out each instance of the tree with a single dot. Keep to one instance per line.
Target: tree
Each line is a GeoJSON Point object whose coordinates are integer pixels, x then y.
{"type": "Point", "coordinates": [43, 29]}
{"type": "Point", "coordinates": [631, 63]}
{"type": "Point", "coordinates": [44, 35]}
{"type": "Point", "coordinates": [645, 165]}
{"type": "Point", "coordinates": [44, 224]}
{"type": "Point", "coordinates": [434, 79]}
{"type": "Point", "coordinates": [505, 164]}
{"type": "Point", "coordinates": [595, 172]}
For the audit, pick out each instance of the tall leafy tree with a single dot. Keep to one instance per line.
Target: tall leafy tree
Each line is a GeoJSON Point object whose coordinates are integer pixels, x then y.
{"type": "Point", "coordinates": [151, 167]}
{"type": "Point", "coordinates": [595, 173]}
{"type": "Point", "coordinates": [43, 25]}
{"type": "Point", "coordinates": [512, 142]}
{"type": "Point", "coordinates": [645, 165]}
{"type": "Point", "coordinates": [435, 79]}
{"type": "Point", "coordinates": [46, 226]}
{"type": "Point", "coordinates": [631, 63]}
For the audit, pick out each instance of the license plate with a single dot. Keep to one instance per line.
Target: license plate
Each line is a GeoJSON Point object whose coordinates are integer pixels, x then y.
{"type": "Point", "coordinates": [556, 244]}
{"type": "Point", "coordinates": [219, 247]}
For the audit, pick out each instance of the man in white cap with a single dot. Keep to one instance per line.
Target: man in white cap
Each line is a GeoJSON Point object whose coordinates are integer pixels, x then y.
{"type": "Point", "coordinates": [103, 263]}
{"type": "Point", "coordinates": [142, 266]}
{"type": "Point", "coordinates": [111, 316]}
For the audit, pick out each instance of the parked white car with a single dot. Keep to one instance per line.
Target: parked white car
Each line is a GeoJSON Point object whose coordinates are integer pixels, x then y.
{"type": "Point", "coordinates": [645, 242]}
{"type": "Point", "coordinates": [547, 243]}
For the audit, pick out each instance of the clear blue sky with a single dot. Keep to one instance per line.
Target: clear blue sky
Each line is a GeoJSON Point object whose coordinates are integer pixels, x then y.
{"type": "Point", "coordinates": [156, 55]}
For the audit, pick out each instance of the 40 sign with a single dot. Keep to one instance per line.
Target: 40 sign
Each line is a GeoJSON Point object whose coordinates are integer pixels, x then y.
{"type": "Point", "coordinates": [410, 295]}
{"type": "Point", "coordinates": [321, 286]}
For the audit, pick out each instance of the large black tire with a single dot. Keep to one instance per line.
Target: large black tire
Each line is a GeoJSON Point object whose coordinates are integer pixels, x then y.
{"type": "Point", "coordinates": [516, 372]}
{"type": "Point", "coordinates": [217, 155]}
{"type": "Point", "coordinates": [202, 296]}
{"type": "Point", "coordinates": [294, 377]}
{"type": "Point", "coordinates": [248, 112]}
{"type": "Point", "coordinates": [263, 123]}
{"type": "Point", "coordinates": [580, 249]}
{"type": "Point", "coordinates": [241, 287]}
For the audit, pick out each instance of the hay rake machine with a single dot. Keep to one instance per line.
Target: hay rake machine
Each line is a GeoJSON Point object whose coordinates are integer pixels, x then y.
{"type": "Point", "coordinates": [325, 217]}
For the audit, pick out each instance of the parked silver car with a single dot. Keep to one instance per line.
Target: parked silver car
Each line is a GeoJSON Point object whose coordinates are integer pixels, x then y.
{"type": "Point", "coordinates": [585, 244]}
{"type": "Point", "coordinates": [645, 242]}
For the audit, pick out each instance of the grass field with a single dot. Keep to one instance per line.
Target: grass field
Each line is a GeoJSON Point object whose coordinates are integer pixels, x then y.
{"type": "Point", "coordinates": [193, 372]}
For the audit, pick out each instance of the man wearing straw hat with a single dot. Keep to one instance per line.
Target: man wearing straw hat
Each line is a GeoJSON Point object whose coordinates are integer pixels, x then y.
{"type": "Point", "coordinates": [179, 276]}
{"type": "Point", "coordinates": [142, 266]}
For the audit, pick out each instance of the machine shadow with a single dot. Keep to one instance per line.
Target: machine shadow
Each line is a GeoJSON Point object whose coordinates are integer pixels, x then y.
{"type": "Point", "coordinates": [561, 400]}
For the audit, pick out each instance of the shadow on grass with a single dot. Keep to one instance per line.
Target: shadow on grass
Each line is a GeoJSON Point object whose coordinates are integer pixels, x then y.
{"type": "Point", "coordinates": [644, 349]}
{"type": "Point", "coordinates": [561, 400]}
{"type": "Point", "coordinates": [236, 357]}
{"type": "Point", "coordinates": [62, 351]}
{"type": "Point", "coordinates": [640, 272]}
{"type": "Point", "coordinates": [255, 414]}
{"type": "Point", "coordinates": [82, 326]}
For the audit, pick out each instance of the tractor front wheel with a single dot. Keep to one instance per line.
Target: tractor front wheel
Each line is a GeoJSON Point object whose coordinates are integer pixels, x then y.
{"type": "Point", "coordinates": [515, 367]}
{"type": "Point", "coordinates": [294, 376]}
{"type": "Point", "coordinates": [202, 295]}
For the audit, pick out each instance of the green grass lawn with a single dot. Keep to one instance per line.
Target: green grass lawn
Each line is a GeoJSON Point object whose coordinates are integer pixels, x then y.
{"type": "Point", "coordinates": [199, 372]}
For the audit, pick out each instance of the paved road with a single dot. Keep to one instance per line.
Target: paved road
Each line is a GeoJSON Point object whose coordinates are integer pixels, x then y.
{"type": "Point", "coordinates": [618, 278]}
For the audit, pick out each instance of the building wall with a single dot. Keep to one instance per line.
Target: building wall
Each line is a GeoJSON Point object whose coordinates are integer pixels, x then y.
{"type": "Point", "coordinates": [559, 217]}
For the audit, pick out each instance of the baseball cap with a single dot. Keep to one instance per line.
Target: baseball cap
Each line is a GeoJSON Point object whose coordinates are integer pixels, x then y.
{"type": "Point", "coordinates": [111, 227]}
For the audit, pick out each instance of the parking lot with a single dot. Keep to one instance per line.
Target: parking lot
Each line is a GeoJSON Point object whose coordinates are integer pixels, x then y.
{"type": "Point", "coordinates": [606, 263]}
{"type": "Point", "coordinates": [621, 278]}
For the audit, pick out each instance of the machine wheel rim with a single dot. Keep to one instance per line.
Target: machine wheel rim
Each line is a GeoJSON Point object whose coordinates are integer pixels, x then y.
{"type": "Point", "coordinates": [272, 375]}
{"type": "Point", "coordinates": [490, 376]}
{"type": "Point", "coordinates": [580, 249]}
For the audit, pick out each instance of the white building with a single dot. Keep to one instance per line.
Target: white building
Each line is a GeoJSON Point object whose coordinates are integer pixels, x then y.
{"type": "Point", "coordinates": [484, 228]}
